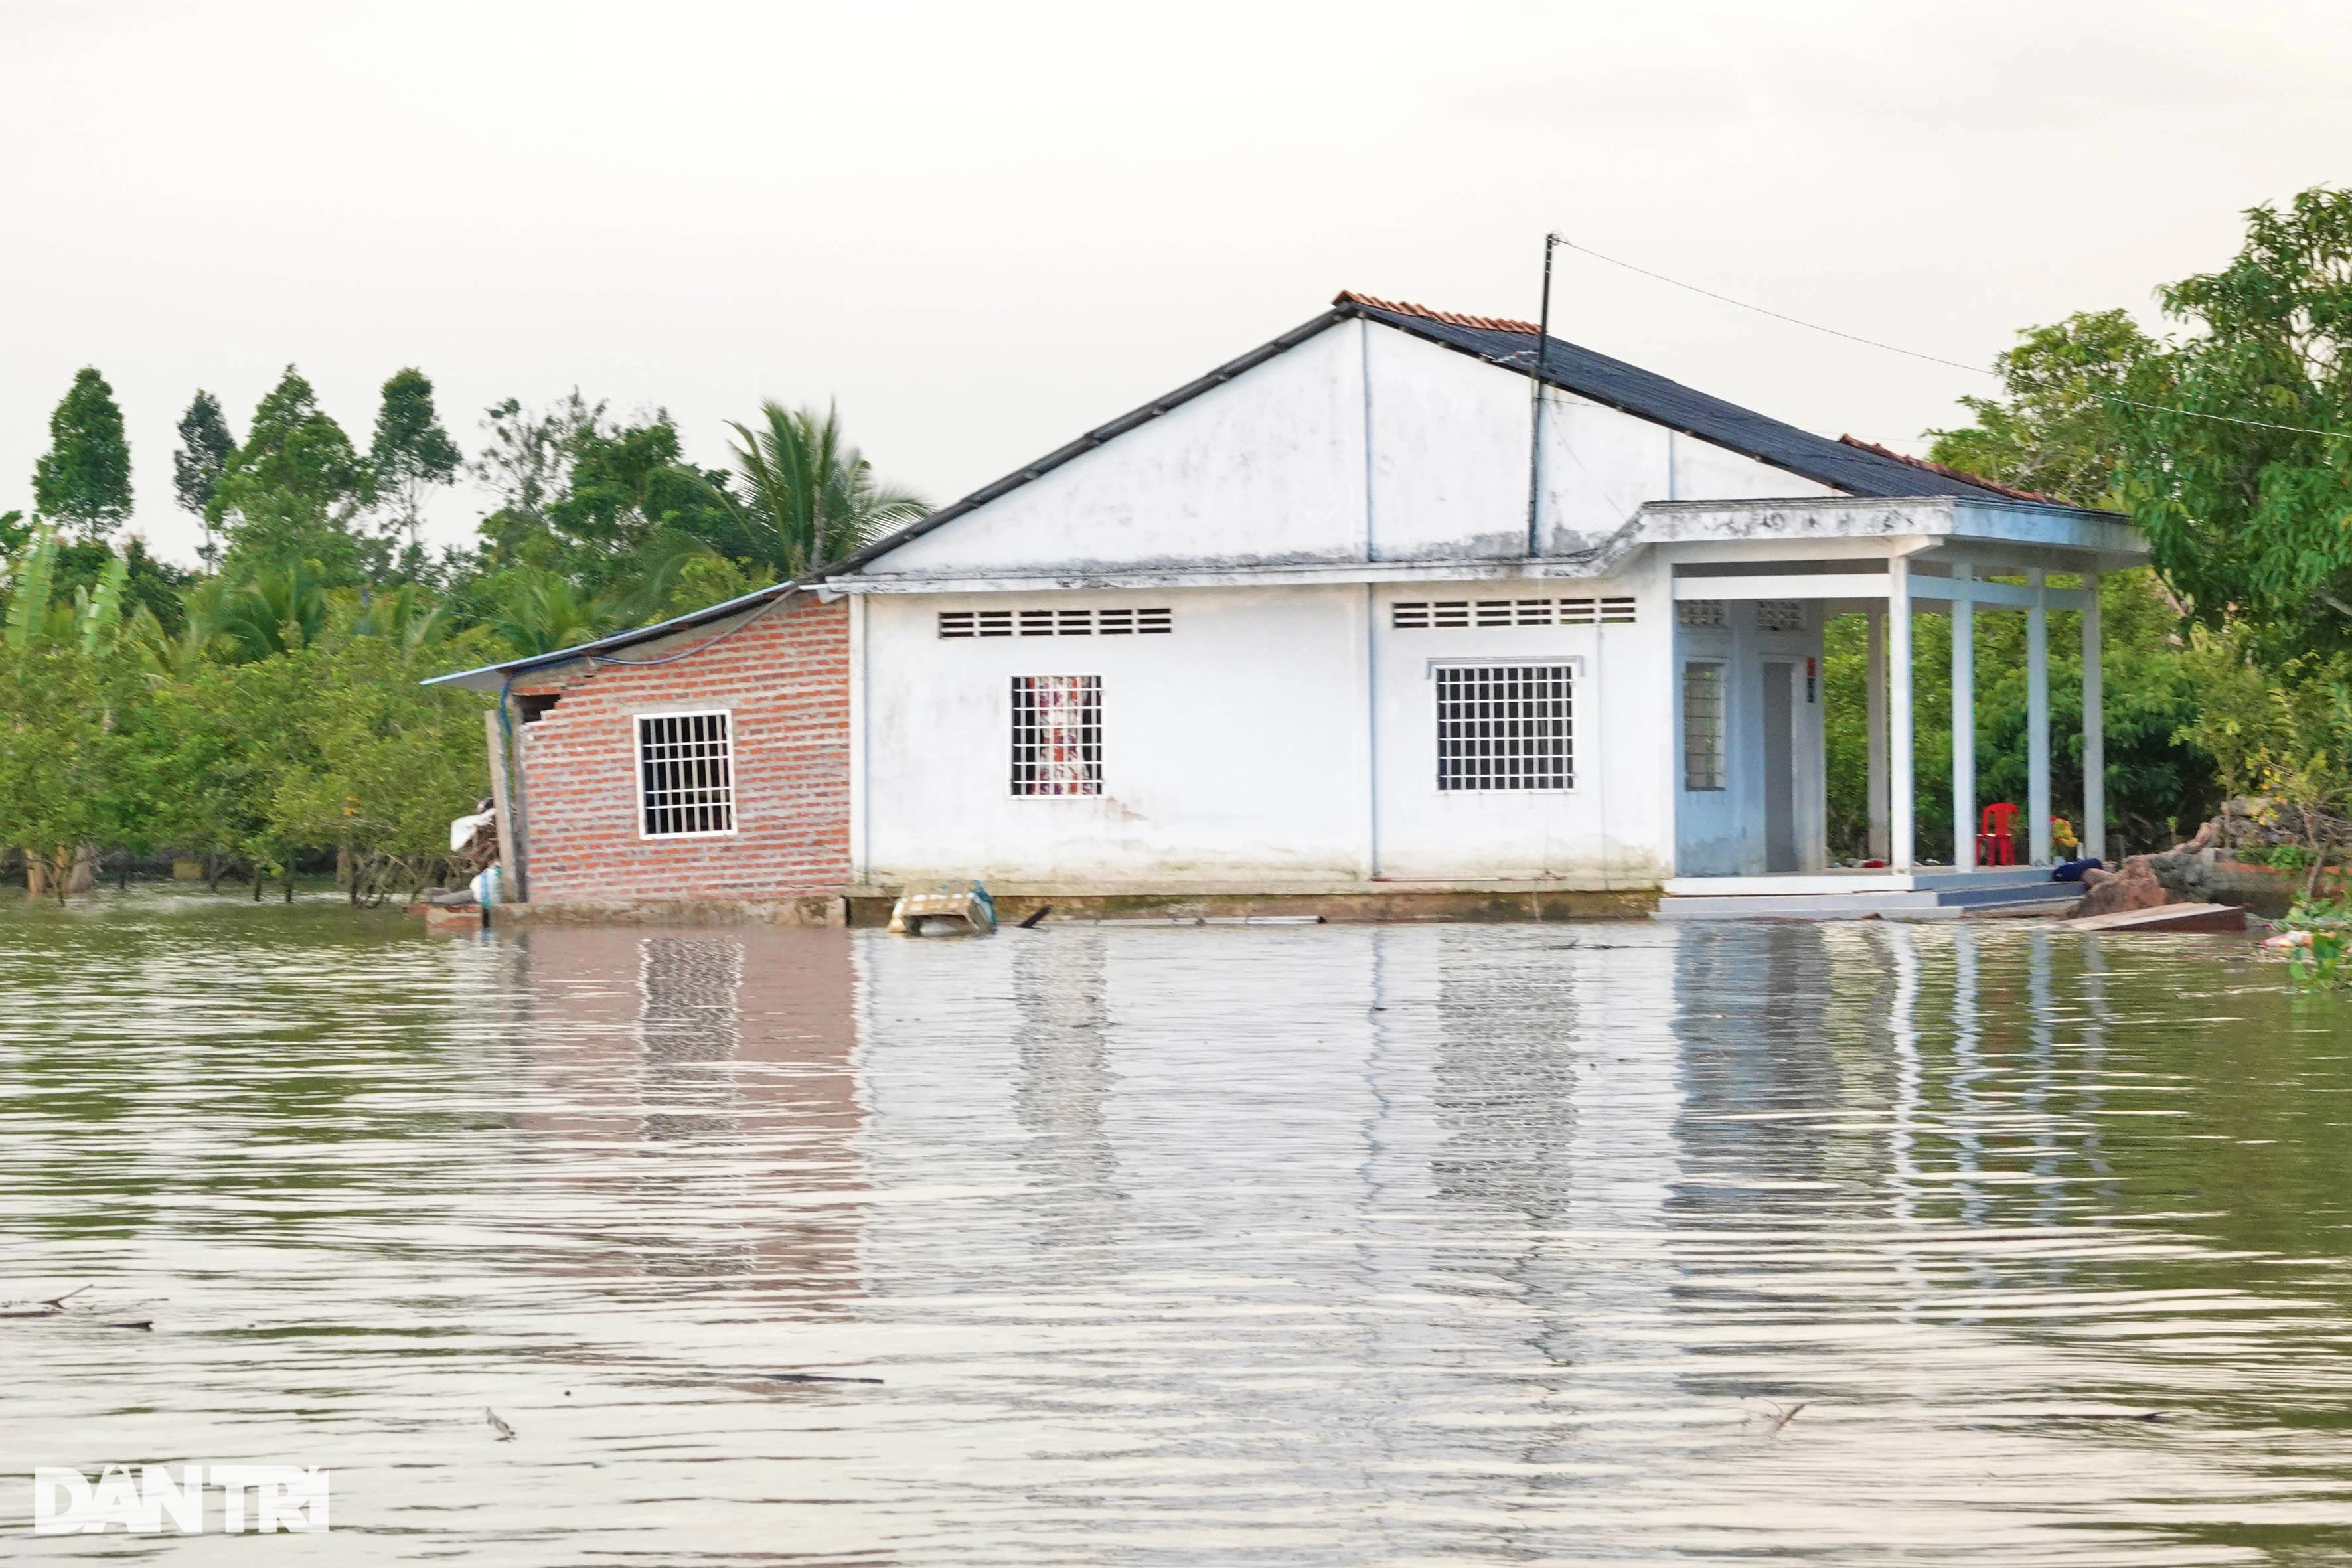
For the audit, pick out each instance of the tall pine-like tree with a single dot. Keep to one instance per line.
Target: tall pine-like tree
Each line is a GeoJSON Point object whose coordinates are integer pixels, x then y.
{"type": "Point", "coordinates": [291, 490]}
{"type": "Point", "coordinates": [205, 450]}
{"type": "Point", "coordinates": [83, 480]}
{"type": "Point", "coordinates": [411, 451]}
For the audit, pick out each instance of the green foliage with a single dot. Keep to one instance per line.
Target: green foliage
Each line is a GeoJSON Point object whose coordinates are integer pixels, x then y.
{"type": "Point", "coordinates": [29, 578]}
{"type": "Point", "coordinates": [148, 583]}
{"type": "Point", "coordinates": [704, 580]}
{"type": "Point", "coordinates": [292, 489]}
{"type": "Point", "coordinates": [538, 611]}
{"type": "Point", "coordinates": [810, 498]}
{"type": "Point", "coordinates": [270, 709]}
{"type": "Point", "coordinates": [278, 611]}
{"type": "Point", "coordinates": [2280, 728]}
{"type": "Point", "coordinates": [206, 448]}
{"type": "Point", "coordinates": [2159, 778]}
{"type": "Point", "coordinates": [2228, 463]}
{"type": "Point", "coordinates": [411, 451]}
{"type": "Point", "coordinates": [102, 608]}
{"type": "Point", "coordinates": [2319, 932]}
{"type": "Point", "coordinates": [285, 716]}
{"type": "Point", "coordinates": [368, 761]}
{"type": "Point", "coordinates": [84, 478]}
{"type": "Point", "coordinates": [2056, 430]}
{"type": "Point", "coordinates": [525, 462]}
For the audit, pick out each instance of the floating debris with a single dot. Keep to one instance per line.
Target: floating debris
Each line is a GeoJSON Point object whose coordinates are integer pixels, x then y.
{"type": "Point", "coordinates": [952, 908]}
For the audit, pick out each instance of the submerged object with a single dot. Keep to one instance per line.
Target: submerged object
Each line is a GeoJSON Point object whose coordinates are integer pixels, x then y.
{"type": "Point", "coordinates": [2167, 917]}
{"type": "Point", "coordinates": [950, 909]}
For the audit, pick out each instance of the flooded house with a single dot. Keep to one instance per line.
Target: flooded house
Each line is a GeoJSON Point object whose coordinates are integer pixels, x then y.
{"type": "Point", "coordinates": [1405, 612]}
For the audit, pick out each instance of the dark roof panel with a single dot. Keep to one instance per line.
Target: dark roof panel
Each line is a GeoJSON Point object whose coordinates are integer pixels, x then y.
{"type": "Point", "coordinates": [1855, 470]}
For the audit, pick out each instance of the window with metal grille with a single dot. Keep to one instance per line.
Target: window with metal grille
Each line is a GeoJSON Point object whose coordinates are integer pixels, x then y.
{"type": "Point", "coordinates": [1702, 724]}
{"type": "Point", "coordinates": [1428, 614]}
{"type": "Point", "coordinates": [1504, 726]}
{"type": "Point", "coordinates": [685, 774]}
{"type": "Point", "coordinates": [1700, 612]}
{"type": "Point", "coordinates": [1057, 734]}
{"type": "Point", "coordinates": [1055, 623]}
{"type": "Point", "coordinates": [1779, 614]}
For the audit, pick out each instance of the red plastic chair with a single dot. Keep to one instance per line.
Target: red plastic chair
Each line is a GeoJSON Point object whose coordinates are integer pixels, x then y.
{"type": "Point", "coordinates": [1994, 844]}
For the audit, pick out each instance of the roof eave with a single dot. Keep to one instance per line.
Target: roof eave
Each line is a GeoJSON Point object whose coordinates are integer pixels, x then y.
{"type": "Point", "coordinates": [491, 677]}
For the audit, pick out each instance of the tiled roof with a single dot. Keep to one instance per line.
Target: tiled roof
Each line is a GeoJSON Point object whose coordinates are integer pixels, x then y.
{"type": "Point", "coordinates": [1402, 308]}
{"type": "Point", "coordinates": [1852, 466]}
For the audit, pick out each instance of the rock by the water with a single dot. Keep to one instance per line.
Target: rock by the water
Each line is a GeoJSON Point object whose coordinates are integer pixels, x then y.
{"type": "Point", "coordinates": [2134, 886]}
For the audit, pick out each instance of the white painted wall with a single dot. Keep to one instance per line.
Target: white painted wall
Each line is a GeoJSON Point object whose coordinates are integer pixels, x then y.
{"type": "Point", "coordinates": [1362, 443]}
{"type": "Point", "coordinates": [1266, 469]}
{"type": "Point", "coordinates": [1246, 747]}
{"type": "Point", "coordinates": [1611, 828]}
{"type": "Point", "coordinates": [1231, 746]}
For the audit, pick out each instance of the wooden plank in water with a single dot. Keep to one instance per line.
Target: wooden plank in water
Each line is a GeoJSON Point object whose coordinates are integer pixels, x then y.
{"type": "Point", "coordinates": [2167, 917]}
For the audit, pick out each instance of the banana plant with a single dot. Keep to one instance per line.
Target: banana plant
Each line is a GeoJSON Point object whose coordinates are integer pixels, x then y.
{"type": "Point", "coordinates": [31, 576]}
{"type": "Point", "coordinates": [101, 610]}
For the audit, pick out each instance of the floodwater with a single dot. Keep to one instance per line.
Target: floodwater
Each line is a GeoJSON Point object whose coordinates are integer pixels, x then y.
{"type": "Point", "coordinates": [1271, 1245]}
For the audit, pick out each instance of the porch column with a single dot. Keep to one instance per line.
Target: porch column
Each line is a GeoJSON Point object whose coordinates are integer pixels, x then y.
{"type": "Point", "coordinates": [1899, 800]}
{"type": "Point", "coordinates": [2037, 718]}
{"type": "Point", "coordinates": [2094, 734]}
{"type": "Point", "coordinates": [1964, 721]}
{"type": "Point", "coordinates": [1876, 708]}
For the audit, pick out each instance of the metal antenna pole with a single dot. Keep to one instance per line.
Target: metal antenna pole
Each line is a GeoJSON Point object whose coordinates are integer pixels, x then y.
{"type": "Point", "coordinates": [1535, 440]}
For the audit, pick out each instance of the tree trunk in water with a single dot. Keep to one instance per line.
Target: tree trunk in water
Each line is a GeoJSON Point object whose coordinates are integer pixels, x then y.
{"type": "Point", "coordinates": [257, 884]}
{"type": "Point", "coordinates": [84, 875]}
{"type": "Point", "coordinates": [214, 866]}
{"type": "Point", "coordinates": [36, 875]}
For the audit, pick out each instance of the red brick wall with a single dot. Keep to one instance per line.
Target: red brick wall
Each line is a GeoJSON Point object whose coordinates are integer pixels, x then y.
{"type": "Point", "coordinates": [786, 679]}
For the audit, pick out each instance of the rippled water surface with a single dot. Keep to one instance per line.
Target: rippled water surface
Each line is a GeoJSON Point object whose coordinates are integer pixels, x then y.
{"type": "Point", "coordinates": [1337, 1244]}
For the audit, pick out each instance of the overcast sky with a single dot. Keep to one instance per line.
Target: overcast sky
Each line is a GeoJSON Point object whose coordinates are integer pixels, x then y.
{"type": "Point", "coordinates": [985, 228]}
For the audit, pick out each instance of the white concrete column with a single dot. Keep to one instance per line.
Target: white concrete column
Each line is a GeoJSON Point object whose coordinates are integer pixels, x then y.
{"type": "Point", "coordinates": [2037, 719]}
{"type": "Point", "coordinates": [2094, 827]}
{"type": "Point", "coordinates": [1964, 722]}
{"type": "Point", "coordinates": [1901, 853]}
{"type": "Point", "coordinates": [1876, 709]}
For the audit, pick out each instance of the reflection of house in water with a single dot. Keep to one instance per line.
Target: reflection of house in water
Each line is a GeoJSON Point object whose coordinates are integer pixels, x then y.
{"type": "Point", "coordinates": [709, 1075]}
{"type": "Point", "coordinates": [1063, 1084]}
{"type": "Point", "coordinates": [1504, 1080]}
{"type": "Point", "coordinates": [687, 1029]}
{"type": "Point", "coordinates": [1751, 1006]}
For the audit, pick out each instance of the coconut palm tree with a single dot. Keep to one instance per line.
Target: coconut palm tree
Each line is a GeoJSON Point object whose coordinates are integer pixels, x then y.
{"type": "Point", "coordinates": [810, 498]}
{"type": "Point", "coordinates": [538, 611]}
{"type": "Point", "coordinates": [277, 611]}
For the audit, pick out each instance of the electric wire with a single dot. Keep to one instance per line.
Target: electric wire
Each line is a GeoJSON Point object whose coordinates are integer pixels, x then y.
{"type": "Point", "coordinates": [1938, 359]}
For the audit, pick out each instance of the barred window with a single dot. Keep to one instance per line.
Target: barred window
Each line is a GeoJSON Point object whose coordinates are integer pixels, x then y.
{"type": "Point", "coordinates": [1702, 724]}
{"type": "Point", "coordinates": [1504, 726]}
{"type": "Point", "coordinates": [685, 774]}
{"type": "Point", "coordinates": [1057, 734]}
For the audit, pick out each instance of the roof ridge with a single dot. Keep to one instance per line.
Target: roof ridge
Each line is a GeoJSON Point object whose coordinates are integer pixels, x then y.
{"type": "Point", "coordinates": [1406, 307]}
{"type": "Point", "coordinates": [1950, 472]}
